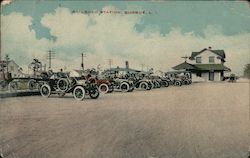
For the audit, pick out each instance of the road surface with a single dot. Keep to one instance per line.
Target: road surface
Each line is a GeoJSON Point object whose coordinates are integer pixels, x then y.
{"type": "Point", "coordinates": [203, 120]}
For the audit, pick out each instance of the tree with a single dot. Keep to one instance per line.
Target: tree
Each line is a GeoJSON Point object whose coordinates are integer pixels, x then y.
{"type": "Point", "coordinates": [247, 71]}
{"type": "Point", "coordinates": [7, 59]}
{"type": "Point", "coordinates": [35, 65]}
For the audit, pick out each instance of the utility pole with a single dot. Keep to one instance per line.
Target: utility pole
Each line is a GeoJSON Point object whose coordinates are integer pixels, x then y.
{"type": "Point", "coordinates": [142, 66]}
{"type": "Point", "coordinates": [0, 36]}
{"type": "Point", "coordinates": [185, 57]}
{"type": "Point", "coordinates": [7, 58]}
{"type": "Point", "coordinates": [83, 56]}
{"type": "Point", "coordinates": [110, 61]}
{"type": "Point", "coordinates": [51, 55]}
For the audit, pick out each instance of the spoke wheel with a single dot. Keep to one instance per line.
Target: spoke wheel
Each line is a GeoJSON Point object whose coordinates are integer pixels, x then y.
{"type": "Point", "coordinates": [143, 85]}
{"type": "Point", "coordinates": [13, 86]}
{"type": "Point", "coordinates": [45, 90]}
{"type": "Point", "coordinates": [166, 84]}
{"type": "Point", "coordinates": [177, 83]}
{"type": "Point", "coordinates": [79, 93]}
{"type": "Point", "coordinates": [32, 85]}
{"type": "Point", "coordinates": [124, 87]}
{"type": "Point", "coordinates": [62, 84]}
{"type": "Point", "coordinates": [103, 88]}
{"type": "Point", "coordinates": [94, 93]}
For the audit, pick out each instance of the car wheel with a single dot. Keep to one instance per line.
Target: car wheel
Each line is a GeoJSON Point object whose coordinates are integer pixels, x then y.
{"type": "Point", "coordinates": [143, 85]}
{"type": "Point", "coordinates": [79, 93]}
{"type": "Point", "coordinates": [62, 84]}
{"type": "Point", "coordinates": [32, 85]}
{"type": "Point", "coordinates": [177, 83]}
{"type": "Point", "coordinates": [166, 84]}
{"type": "Point", "coordinates": [103, 88]}
{"type": "Point", "coordinates": [124, 87]}
{"type": "Point", "coordinates": [94, 93]}
{"type": "Point", "coordinates": [111, 89]}
{"type": "Point", "coordinates": [13, 86]}
{"type": "Point", "coordinates": [45, 90]}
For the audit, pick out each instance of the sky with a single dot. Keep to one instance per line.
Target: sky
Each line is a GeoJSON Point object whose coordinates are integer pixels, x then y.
{"type": "Point", "coordinates": [159, 38]}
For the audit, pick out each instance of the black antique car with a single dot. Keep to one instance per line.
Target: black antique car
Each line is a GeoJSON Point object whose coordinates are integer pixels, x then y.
{"type": "Point", "coordinates": [178, 78]}
{"type": "Point", "coordinates": [61, 83]}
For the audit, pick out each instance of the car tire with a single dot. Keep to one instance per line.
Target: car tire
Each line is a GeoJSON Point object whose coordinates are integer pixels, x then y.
{"type": "Point", "coordinates": [63, 84]}
{"type": "Point", "coordinates": [124, 87]}
{"type": "Point", "coordinates": [32, 85]}
{"type": "Point", "coordinates": [94, 94]}
{"type": "Point", "coordinates": [143, 85]}
{"type": "Point", "coordinates": [177, 83]}
{"type": "Point", "coordinates": [166, 84]}
{"type": "Point", "coordinates": [103, 88]}
{"type": "Point", "coordinates": [45, 90]}
{"type": "Point", "coordinates": [79, 93]}
{"type": "Point", "coordinates": [13, 86]}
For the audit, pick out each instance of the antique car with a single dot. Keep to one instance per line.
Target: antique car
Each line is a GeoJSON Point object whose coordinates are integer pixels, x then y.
{"type": "Point", "coordinates": [178, 78]}
{"type": "Point", "coordinates": [104, 86]}
{"type": "Point", "coordinates": [118, 79]}
{"type": "Point", "coordinates": [123, 85]}
{"type": "Point", "coordinates": [139, 80]}
{"type": "Point", "coordinates": [159, 81]}
{"type": "Point", "coordinates": [153, 81]}
{"type": "Point", "coordinates": [232, 78]}
{"type": "Point", "coordinates": [164, 82]}
{"type": "Point", "coordinates": [63, 84]}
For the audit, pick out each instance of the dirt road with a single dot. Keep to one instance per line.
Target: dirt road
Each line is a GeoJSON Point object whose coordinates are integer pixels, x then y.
{"type": "Point", "coordinates": [205, 120]}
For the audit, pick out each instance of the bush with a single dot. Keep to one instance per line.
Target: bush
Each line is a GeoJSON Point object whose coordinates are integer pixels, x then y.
{"type": "Point", "coordinates": [247, 71]}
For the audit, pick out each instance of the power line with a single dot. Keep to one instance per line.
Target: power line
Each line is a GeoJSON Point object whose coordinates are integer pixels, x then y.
{"type": "Point", "coordinates": [51, 55]}
{"type": "Point", "coordinates": [142, 66]}
{"type": "Point", "coordinates": [110, 62]}
{"type": "Point", "coordinates": [83, 56]}
{"type": "Point", "coordinates": [185, 57]}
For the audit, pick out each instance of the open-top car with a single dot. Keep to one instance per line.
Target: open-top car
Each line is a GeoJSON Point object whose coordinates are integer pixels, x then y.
{"type": "Point", "coordinates": [118, 77]}
{"type": "Point", "coordinates": [179, 78]}
{"type": "Point", "coordinates": [140, 81]}
{"type": "Point", "coordinates": [62, 84]}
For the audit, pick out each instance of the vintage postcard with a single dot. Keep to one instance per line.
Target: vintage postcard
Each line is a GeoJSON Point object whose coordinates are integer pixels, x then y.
{"type": "Point", "coordinates": [124, 79]}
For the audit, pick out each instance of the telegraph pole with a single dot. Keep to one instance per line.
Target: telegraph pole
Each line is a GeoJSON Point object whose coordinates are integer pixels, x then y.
{"type": "Point", "coordinates": [142, 66]}
{"type": "Point", "coordinates": [7, 58]}
{"type": "Point", "coordinates": [185, 57]}
{"type": "Point", "coordinates": [51, 55]}
{"type": "Point", "coordinates": [83, 56]}
{"type": "Point", "coordinates": [0, 36]}
{"type": "Point", "coordinates": [110, 61]}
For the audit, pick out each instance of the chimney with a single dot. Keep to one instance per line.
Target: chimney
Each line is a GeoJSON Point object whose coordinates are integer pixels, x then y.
{"type": "Point", "coordinates": [209, 47]}
{"type": "Point", "coordinates": [127, 64]}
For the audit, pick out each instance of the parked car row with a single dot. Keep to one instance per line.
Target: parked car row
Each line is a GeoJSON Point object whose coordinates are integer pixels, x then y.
{"type": "Point", "coordinates": [127, 80]}
{"type": "Point", "coordinates": [116, 79]}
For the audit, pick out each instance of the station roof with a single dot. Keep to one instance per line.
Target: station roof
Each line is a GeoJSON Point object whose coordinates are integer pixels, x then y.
{"type": "Point", "coordinates": [201, 67]}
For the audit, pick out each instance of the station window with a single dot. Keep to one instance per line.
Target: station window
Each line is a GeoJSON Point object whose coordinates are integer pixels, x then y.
{"type": "Point", "coordinates": [198, 59]}
{"type": "Point", "coordinates": [211, 59]}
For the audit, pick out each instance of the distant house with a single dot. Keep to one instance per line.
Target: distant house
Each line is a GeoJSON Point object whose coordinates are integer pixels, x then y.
{"type": "Point", "coordinates": [14, 69]}
{"type": "Point", "coordinates": [207, 63]}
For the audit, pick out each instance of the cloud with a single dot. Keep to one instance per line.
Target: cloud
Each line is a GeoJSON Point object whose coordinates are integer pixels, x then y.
{"type": "Point", "coordinates": [114, 36]}
{"type": "Point", "coordinates": [19, 41]}
{"type": "Point", "coordinates": [5, 2]}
